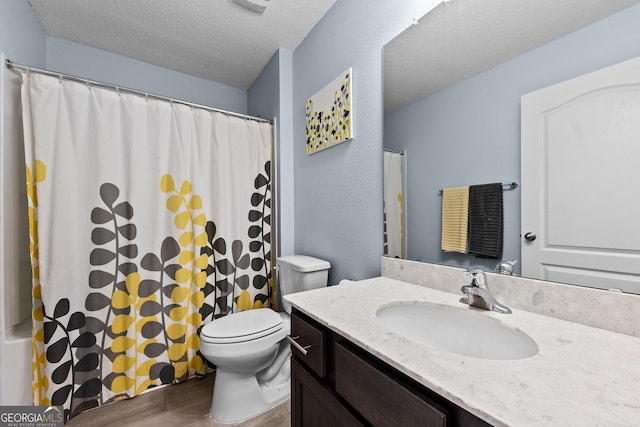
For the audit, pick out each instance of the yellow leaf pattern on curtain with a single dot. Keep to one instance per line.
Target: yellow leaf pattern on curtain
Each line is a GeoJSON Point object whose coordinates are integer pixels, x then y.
{"type": "Point", "coordinates": [148, 328]}
{"type": "Point", "coordinates": [127, 295]}
{"type": "Point", "coordinates": [39, 360]}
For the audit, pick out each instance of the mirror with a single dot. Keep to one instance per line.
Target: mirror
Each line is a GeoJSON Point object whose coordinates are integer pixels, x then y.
{"type": "Point", "coordinates": [452, 88]}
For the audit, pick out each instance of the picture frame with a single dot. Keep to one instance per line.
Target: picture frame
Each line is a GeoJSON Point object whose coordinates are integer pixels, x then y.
{"type": "Point", "coordinates": [329, 114]}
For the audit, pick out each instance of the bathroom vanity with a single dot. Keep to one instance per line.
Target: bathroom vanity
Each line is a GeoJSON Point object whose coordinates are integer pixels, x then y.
{"type": "Point", "coordinates": [334, 382]}
{"type": "Point", "coordinates": [358, 372]}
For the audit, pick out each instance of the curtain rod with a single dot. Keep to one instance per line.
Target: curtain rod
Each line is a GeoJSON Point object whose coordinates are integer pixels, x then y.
{"type": "Point", "coordinates": [388, 150]}
{"type": "Point", "coordinates": [507, 186]}
{"type": "Point", "coordinates": [28, 69]}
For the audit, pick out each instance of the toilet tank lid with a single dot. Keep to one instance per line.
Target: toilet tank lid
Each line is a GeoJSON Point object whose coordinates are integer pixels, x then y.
{"type": "Point", "coordinates": [303, 263]}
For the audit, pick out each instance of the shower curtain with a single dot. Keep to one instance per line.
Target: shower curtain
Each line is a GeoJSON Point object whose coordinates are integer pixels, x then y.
{"type": "Point", "coordinates": [393, 205]}
{"type": "Point", "coordinates": [148, 219]}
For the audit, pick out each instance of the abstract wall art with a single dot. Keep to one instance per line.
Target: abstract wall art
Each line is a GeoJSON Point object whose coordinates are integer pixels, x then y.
{"type": "Point", "coordinates": [329, 114]}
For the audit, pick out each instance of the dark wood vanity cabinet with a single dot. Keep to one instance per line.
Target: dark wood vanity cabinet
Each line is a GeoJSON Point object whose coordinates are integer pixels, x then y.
{"type": "Point", "coordinates": [338, 384]}
{"type": "Point", "coordinates": [313, 404]}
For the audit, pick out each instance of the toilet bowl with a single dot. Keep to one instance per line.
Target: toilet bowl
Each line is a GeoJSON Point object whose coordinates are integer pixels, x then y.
{"type": "Point", "coordinates": [250, 351]}
{"type": "Point", "coordinates": [242, 346]}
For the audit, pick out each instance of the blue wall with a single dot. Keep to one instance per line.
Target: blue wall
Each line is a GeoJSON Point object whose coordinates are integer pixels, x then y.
{"type": "Point", "coordinates": [84, 61]}
{"type": "Point", "coordinates": [333, 207]}
{"type": "Point", "coordinates": [270, 96]}
{"type": "Point", "coordinates": [263, 95]}
{"type": "Point", "coordinates": [22, 39]}
{"type": "Point", "coordinates": [470, 132]}
{"type": "Point", "coordinates": [286, 215]}
{"type": "Point", "coordinates": [338, 191]}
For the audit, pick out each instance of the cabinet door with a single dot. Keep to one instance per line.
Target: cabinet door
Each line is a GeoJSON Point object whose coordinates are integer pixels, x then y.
{"type": "Point", "coordinates": [313, 404]}
{"type": "Point", "coordinates": [380, 399]}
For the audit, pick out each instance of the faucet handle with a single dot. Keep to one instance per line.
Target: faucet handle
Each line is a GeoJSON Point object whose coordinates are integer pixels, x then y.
{"type": "Point", "coordinates": [505, 267]}
{"type": "Point", "coordinates": [476, 277]}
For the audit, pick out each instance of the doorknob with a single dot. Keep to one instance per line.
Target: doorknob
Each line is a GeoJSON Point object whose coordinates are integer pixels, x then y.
{"type": "Point", "coordinates": [530, 237]}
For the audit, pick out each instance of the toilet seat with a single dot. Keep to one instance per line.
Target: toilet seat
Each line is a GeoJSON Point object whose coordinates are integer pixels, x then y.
{"type": "Point", "coordinates": [243, 326]}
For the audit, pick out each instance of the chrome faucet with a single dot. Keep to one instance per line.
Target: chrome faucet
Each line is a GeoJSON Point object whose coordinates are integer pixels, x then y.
{"type": "Point", "coordinates": [477, 293]}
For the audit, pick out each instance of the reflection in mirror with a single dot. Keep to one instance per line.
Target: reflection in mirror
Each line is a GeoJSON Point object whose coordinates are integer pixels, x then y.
{"type": "Point", "coordinates": [581, 139]}
{"type": "Point", "coordinates": [395, 242]}
{"type": "Point", "coordinates": [452, 91]}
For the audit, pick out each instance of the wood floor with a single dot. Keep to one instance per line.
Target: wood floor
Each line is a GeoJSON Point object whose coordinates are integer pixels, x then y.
{"type": "Point", "coordinates": [186, 405]}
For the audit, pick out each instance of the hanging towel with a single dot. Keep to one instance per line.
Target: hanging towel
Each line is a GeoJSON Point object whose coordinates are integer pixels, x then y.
{"type": "Point", "coordinates": [455, 203]}
{"type": "Point", "coordinates": [486, 222]}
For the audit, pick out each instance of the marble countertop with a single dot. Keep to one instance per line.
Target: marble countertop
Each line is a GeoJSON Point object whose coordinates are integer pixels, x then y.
{"type": "Point", "coordinates": [580, 376]}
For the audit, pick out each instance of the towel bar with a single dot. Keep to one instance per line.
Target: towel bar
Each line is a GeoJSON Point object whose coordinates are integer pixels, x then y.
{"type": "Point", "coordinates": [508, 186]}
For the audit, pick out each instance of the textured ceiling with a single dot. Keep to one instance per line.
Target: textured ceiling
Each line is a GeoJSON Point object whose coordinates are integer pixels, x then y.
{"type": "Point", "coordinates": [461, 38]}
{"type": "Point", "coordinates": [213, 39]}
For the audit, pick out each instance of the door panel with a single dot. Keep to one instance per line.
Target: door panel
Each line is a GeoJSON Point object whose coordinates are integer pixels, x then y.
{"type": "Point", "coordinates": [580, 163]}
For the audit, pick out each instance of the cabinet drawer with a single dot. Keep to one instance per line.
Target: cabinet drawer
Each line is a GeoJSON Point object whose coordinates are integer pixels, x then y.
{"type": "Point", "coordinates": [385, 402]}
{"type": "Point", "coordinates": [313, 404]}
{"type": "Point", "coordinates": [313, 339]}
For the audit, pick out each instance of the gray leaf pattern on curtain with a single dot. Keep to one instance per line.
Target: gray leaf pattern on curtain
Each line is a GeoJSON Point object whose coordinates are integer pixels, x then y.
{"type": "Point", "coordinates": [130, 282]}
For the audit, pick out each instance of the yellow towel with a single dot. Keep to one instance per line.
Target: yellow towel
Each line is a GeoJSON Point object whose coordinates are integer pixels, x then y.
{"type": "Point", "coordinates": [455, 208]}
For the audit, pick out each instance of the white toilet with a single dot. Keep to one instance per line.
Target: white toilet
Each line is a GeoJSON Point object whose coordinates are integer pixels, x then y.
{"type": "Point", "coordinates": [249, 348]}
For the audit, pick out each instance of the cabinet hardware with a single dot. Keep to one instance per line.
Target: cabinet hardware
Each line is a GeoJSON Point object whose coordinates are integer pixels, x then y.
{"type": "Point", "coordinates": [300, 348]}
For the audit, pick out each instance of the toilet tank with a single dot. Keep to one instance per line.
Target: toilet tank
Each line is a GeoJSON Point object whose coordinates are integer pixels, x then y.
{"type": "Point", "coordinates": [301, 273]}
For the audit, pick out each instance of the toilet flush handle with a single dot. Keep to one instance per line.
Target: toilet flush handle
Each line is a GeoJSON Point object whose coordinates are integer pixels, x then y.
{"type": "Point", "coordinates": [300, 348]}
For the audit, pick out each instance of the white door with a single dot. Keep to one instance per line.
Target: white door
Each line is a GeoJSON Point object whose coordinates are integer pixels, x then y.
{"type": "Point", "coordinates": [580, 163]}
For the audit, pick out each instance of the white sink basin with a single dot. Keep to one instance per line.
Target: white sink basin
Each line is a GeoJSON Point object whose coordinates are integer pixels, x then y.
{"type": "Point", "coordinates": [465, 331]}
